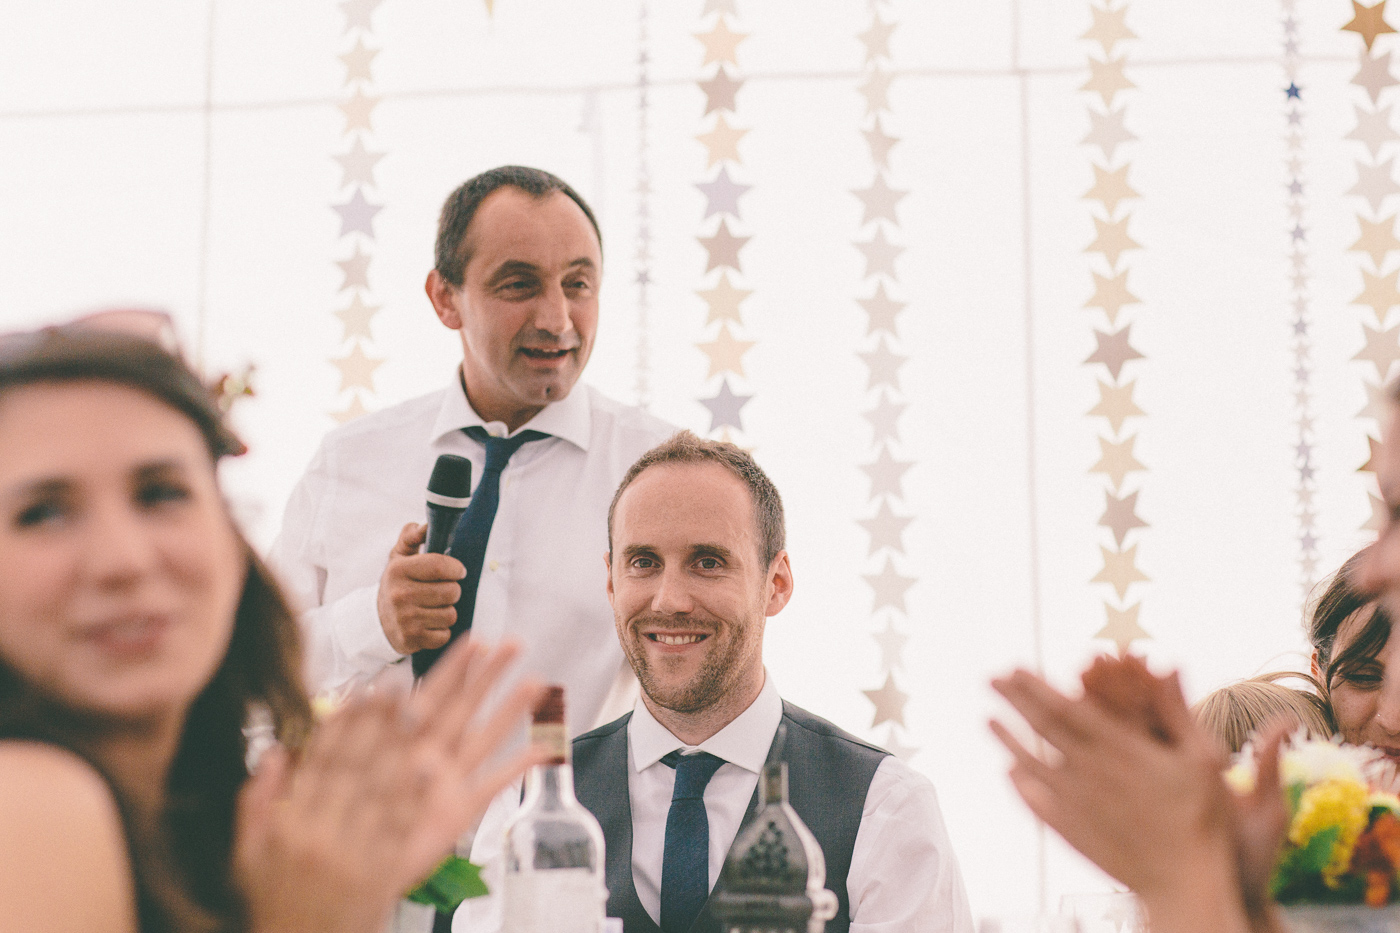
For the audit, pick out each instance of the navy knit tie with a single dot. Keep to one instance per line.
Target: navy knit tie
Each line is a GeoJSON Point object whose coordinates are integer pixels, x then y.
{"type": "Point", "coordinates": [474, 530]}
{"type": "Point", "coordinates": [685, 864]}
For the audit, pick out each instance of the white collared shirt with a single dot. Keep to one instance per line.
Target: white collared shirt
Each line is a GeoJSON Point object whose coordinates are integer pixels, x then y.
{"type": "Point", "coordinates": [903, 878]}
{"type": "Point", "coordinates": [543, 576]}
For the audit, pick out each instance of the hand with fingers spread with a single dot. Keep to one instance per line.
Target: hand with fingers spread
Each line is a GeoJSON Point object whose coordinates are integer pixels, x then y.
{"type": "Point", "coordinates": [328, 841]}
{"type": "Point", "coordinates": [418, 594]}
{"type": "Point", "coordinates": [1136, 787]}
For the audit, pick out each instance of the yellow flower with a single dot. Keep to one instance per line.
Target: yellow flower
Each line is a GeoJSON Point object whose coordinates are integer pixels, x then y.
{"type": "Point", "coordinates": [1332, 802]}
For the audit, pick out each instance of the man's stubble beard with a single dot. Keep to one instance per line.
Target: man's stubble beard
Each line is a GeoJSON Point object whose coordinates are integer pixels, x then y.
{"type": "Point", "coordinates": [708, 687]}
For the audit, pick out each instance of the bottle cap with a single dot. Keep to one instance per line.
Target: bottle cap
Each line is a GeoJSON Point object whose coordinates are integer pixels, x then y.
{"type": "Point", "coordinates": [550, 709]}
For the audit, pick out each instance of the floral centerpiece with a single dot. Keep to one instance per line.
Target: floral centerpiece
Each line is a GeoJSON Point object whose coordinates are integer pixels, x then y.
{"type": "Point", "coordinates": [1341, 856]}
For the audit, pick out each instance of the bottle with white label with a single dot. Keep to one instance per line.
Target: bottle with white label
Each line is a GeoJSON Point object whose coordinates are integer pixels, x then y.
{"type": "Point", "coordinates": [554, 880]}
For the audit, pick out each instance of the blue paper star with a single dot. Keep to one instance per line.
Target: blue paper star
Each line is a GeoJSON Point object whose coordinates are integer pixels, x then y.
{"type": "Point", "coordinates": [1293, 90]}
{"type": "Point", "coordinates": [725, 407]}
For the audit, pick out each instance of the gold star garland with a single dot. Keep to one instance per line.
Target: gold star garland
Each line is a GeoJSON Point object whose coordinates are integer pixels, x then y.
{"type": "Point", "coordinates": [356, 212]}
{"type": "Point", "coordinates": [1111, 192]}
{"type": "Point", "coordinates": [643, 385]}
{"type": "Point", "coordinates": [1299, 302]}
{"type": "Point", "coordinates": [879, 217]}
{"type": "Point", "coordinates": [723, 245]}
{"type": "Point", "coordinates": [1375, 185]}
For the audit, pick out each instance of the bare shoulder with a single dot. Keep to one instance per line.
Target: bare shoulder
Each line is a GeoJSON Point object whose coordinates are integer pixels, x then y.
{"type": "Point", "coordinates": [60, 821]}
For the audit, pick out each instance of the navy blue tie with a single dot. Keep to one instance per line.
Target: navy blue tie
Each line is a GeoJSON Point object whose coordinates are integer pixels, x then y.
{"type": "Point", "coordinates": [685, 864]}
{"type": "Point", "coordinates": [474, 530]}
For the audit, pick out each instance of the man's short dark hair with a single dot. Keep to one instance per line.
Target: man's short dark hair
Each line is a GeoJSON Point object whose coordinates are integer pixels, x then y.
{"type": "Point", "coordinates": [451, 253]}
{"type": "Point", "coordinates": [686, 447]}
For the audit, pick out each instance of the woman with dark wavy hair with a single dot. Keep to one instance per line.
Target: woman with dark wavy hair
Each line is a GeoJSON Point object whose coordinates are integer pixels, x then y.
{"type": "Point", "coordinates": [138, 635]}
{"type": "Point", "coordinates": [1354, 660]}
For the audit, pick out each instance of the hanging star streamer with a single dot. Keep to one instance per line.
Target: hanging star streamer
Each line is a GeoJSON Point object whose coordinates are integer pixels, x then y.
{"type": "Point", "coordinates": [643, 264]}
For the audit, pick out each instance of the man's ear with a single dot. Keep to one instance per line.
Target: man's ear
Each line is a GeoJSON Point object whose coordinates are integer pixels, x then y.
{"type": "Point", "coordinates": [779, 584]}
{"type": "Point", "coordinates": [607, 563]}
{"type": "Point", "coordinates": [441, 293]}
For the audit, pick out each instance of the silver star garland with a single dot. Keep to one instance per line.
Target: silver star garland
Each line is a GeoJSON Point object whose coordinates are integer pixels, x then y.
{"type": "Point", "coordinates": [356, 211]}
{"type": "Point", "coordinates": [1299, 302]}
{"type": "Point", "coordinates": [885, 528]}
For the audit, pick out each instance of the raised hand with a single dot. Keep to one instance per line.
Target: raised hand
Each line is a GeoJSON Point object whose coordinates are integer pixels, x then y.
{"type": "Point", "coordinates": [329, 840]}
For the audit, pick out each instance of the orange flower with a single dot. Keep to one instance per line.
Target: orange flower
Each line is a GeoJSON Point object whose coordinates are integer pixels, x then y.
{"type": "Point", "coordinates": [1377, 888]}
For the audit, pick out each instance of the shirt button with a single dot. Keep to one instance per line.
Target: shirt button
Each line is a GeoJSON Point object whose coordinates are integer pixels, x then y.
{"type": "Point", "coordinates": [494, 566]}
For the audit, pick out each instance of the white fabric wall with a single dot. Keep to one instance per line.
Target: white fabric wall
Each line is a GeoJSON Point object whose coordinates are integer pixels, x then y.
{"type": "Point", "coordinates": [181, 155]}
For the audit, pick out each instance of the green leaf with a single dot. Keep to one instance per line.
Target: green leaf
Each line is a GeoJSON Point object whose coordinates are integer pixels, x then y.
{"type": "Point", "coordinates": [1295, 795]}
{"type": "Point", "coordinates": [1298, 875]}
{"type": "Point", "coordinates": [1318, 852]}
{"type": "Point", "coordinates": [454, 881]}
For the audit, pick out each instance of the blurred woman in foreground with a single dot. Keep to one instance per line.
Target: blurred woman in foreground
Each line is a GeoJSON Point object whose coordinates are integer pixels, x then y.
{"type": "Point", "coordinates": [138, 633]}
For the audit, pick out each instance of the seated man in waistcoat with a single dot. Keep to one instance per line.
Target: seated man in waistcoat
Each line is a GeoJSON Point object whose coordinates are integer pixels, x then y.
{"type": "Point", "coordinates": [696, 566]}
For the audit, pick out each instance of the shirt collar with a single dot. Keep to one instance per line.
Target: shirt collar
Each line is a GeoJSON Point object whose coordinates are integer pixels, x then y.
{"type": "Point", "coordinates": [570, 418]}
{"type": "Point", "coordinates": [744, 742]}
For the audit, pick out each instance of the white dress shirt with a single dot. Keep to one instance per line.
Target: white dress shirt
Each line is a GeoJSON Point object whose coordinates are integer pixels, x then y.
{"type": "Point", "coordinates": [543, 575]}
{"type": "Point", "coordinates": [903, 876]}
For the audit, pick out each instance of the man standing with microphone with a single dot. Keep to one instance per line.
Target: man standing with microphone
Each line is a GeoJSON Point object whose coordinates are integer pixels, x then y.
{"type": "Point", "coordinates": [517, 272]}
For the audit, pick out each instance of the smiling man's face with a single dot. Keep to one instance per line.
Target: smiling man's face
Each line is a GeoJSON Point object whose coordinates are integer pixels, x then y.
{"type": "Point", "coordinates": [689, 589]}
{"type": "Point", "coordinates": [527, 309]}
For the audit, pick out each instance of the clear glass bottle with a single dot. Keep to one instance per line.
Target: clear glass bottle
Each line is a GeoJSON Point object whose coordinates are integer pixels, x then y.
{"type": "Point", "coordinates": [554, 877]}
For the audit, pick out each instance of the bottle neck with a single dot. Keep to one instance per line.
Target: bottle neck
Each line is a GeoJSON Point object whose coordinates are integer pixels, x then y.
{"type": "Point", "coordinates": [551, 784]}
{"type": "Point", "coordinates": [774, 783]}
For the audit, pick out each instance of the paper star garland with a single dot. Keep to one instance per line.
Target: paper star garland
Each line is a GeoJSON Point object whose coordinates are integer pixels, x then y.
{"type": "Point", "coordinates": [1110, 28]}
{"type": "Point", "coordinates": [723, 247]}
{"type": "Point", "coordinates": [1113, 350]}
{"type": "Point", "coordinates": [357, 215]}
{"type": "Point", "coordinates": [881, 310]}
{"type": "Point", "coordinates": [356, 317]}
{"type": "Point", "coordinates": [642, 264]}
{"type": "Point", "coordinates": [722, 194]}
{"type": "Point", "coordinates": [1373, 129]}
{"type": "Point", "coordinates": [1382, 349]}
{"type": "Point", "coordinates": [357, 369]}
{"type": "Point", "coordinates": [1374, 454]}
{"type": "Point", "coordinates": [1374, 75]}
{"type": "Point", "coordinates": [724, 300]}
{"type": "Point", "coordinates": [876, 91]}
{"type": "Point", "coordinates": [358, 13]}
{"type": "Point", "coordinates": [884, 365]}
{"type": "Point", "coordinates": [357, 110]}
{"type": "Point", "coordinates": [891, 644]}
{"type": "Point", "coordinates": [355, 409]}
{"type": "Point", "coordinates": [1111, 294]}
{"type": "Point", "coordinates": [1107, 79]}
{"type": "Point", "coordinates": [357, 164]}
{"type": "Point", "coordinates": [357, 62]}
{"type": "Point", "coordinates": [1378, 402]}
{"type": "Point", "coordinates": [884, 418]}
{"type": "Point", "coordinates": [720, 91]}
{"type": "Point", "coordinates": [1116, 460]}
{"type": "Point", "coordinates": [889, 587]}
{"type": "Point", "coordinates": [356, 269]}
{"type": "Point", "coordinates": [877, 39]}
{"type": "Point", "coordinates": [886, 529]}
{"type": "Point", "coordinates": [1368, 21]}
{"type": "Point", "coordinates": [1122, 628]}
{"type": "Point", "coordinates": [1380, 293]}
{"type": "Point", "coordinates": [721, 44]}
{"type": "Point", "coordinates": [879, 200]}
{"type": "Point", "coordinates": [1374, 183]}
{"type": "Point", "coordinates": [1120, 570]}
{"type": "Point", "coordinates": [1108, 132]}
{"type": "Point", "coordinates": [726, 353]}
{"type": "Point", "coordinates": [722, 142]}
{"type": "Point", "coordinates": [1120, 515]}
{"type": "Point", "coordinates": [1377, 240]}
{"type": "Point", "coordinates": [1112, 239]}
{"type": "Point", "coordinates": [880, 254]}
{"type": "Point", "coordinates": [1116, 404]}
{"type": "Point", "coordinates": [886, 474]}
{"type": "Point", "coordinates": [880, 144]}
{"type": "Point", "coordinates": [725, 407]}
{"type": "Point", "coordinates": [888, 701]}
{"type": "Point", "coordinates": [1111, 188]}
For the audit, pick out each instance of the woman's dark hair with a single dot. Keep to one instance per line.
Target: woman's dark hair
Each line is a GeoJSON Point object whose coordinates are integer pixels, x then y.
{"type": "Point", "coordinates": [1342, 600]}
{"type": "Point", "coordinates": [182, 865]}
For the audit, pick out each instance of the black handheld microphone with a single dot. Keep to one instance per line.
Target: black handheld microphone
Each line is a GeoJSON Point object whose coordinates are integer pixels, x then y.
{"type": "Point", "coordinates": [449, 491]}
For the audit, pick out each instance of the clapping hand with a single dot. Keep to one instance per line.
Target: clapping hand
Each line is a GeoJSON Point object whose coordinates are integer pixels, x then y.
{"type": "Point", "coordinates": [329, 839]}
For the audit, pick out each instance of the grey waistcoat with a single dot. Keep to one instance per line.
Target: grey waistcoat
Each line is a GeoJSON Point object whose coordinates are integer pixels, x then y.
{"type": "Point", "coordinates": [829, 774]}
